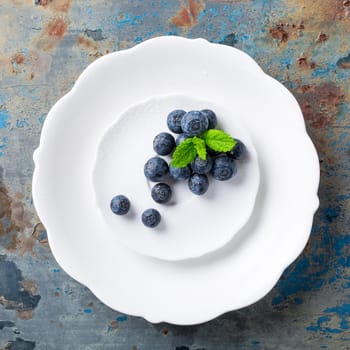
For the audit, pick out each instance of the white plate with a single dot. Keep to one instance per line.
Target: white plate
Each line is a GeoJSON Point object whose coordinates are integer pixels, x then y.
{"type": "Point", "coordinates": [194, 290]}
{"type": "Point", "coordinates": [191, 225]}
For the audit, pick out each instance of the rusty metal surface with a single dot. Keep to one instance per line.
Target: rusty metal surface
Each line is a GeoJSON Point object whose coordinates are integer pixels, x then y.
{"type": "Point", "coordinates": [45, 45]}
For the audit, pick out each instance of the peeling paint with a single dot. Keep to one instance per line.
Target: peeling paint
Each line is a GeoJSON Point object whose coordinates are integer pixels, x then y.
{"type": "Point", "coordinates": [25, 245]}
{"type": "Point", "coordinates": [325, 11]}
{"type": "Point", "coordinates": [325, 325]}
{"type": "Point", "coordinates": [40, 234]}
{"type": "Point", "coordinates": [188, 14]}
{"type": "Point", "coordinates": [95, 34]}
{"type": "Point", "coordinates": [122, 318]}
{"type": "Point", "coordinates": [17, 233]}
{"type": "Point", "coordinates": [20, 217]}
{"type": "Point", "coordinates": [283, 32]}
{"type": "Point", "coordinates": [52, 35]}
{"type": "Point", "coordinates": [86, 43]}
{"type": "Point", "coordinates": [55, 5]}
{"type": "Point", "coordinates": [13, 293]}
{"type": "Point", "coordinates": [5, 212]}
{"type": "Point", "coordinates": [18, 58]}
{"type": "Point", "coordinates": [20, 344]}
{"type": "Point", "coordinates": [114, 324]}
{"type": "Point", "coordinates": [4, 117]}
{"type": "Point", "coordinates": [14, 220]}
{"type": "Point", "coordinates": [322, 37]}
{"type": "Point", "coordinates": [4, 324]}
{"type": "Point", "coordinates": [279, 32]}
{"type": "Point", "coordinates": [229, 40]}
{"type": "Point", "coordinates": [344, 62]}
{"type": "Point", "coordinates": [319, 104]}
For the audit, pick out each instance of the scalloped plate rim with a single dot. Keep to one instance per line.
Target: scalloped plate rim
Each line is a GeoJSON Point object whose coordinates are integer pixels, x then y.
{"type": "Point", "coordinates": [70, 270]}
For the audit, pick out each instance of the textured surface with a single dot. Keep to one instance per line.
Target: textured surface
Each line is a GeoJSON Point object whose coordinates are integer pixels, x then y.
{"type": "Point", "coordinates": [44, 46]}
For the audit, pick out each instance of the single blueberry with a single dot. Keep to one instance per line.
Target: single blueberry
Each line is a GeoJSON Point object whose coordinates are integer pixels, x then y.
{"type": "Point", "coordinates": [120, 205]}
{"type": "Point", "coordinates": [161, 193]}
{"type": "Point", "coordinates": [155, 169]}
{"type": "Point", "coordinates": [174, 120]}
{"type": "Point", "coordinates": [201, 166]}
{"type": "Point", "coordinates": [164, 143]}
{"type": "Point", "coordinates": [181, 138]}
{"type": "Point", "coordinates": [224, 168]}
{"type": "Point", "coordinates": [180, 173]}
{"type": "Point", "coordinates": [151, 217]}
{"type": "Point", "coordinates": [198, 184]}
{"type": "Point", "coordinates": [213, 153]}
{"type": "Point", "coordinates": [211, 118]}
{"type": "Point", "coordinates": [239, 150]}
{"type": "Point", "coordinates": [194, 123]}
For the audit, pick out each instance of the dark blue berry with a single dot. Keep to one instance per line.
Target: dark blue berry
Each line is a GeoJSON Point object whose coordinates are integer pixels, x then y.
{"type": "Point", "coordinates": [181, 138]}
{"type": "Point", "coordinates": [164, 143]}
{"type": "Point", "coordinates": [194, 123]}
{"type": "Point", "coordinates": [151, 217]}
{"type": "Point", "coordinates": [198, 184]}
{"type": "Point", "coordinates": [201, 166]}
{"type": "Point", "coordinates": [180, 173]}
{"type": "Point", "coordinates": [238, 151]}
{"type": "Point", "coordinates": [120, 205]}
{"type": "Point", "coordinates": [211, 118]}
{"type": "Point", "coordinates": [212, 152]}
{"type": "Point", "coordinates": [224, 168]}
{"type": "Point", "coordinates": [174, 120]}
{"type": "Point", "coordinates": [155, 169]}
{"type": "Point", "coordinates": [161, 193]}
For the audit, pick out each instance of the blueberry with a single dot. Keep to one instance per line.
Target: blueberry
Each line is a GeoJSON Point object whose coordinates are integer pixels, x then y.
{"type": "Point", "coordinates": [212, 152]}
{"type": "Point", "coordinates": [211, 118]}
{"type": "Point", "coordinates": [180, 138]}
{"type": "Point", "coordinates": [224, 168]}
{"type": "Point", "coordinates": [151, 217]}
{"type": "Point", "coordinates": [174, 120]}
{"type": "Point", "coordinates": [120, 205]}
{"type": "Point", "coordinates": [198, 184]}
{"type": "Point", "coordinates": [155, 169]}
{"type": "Point", "coordinates": [194, 123]}
{"type": "Point", "coordinates": [201, 166]}
{"type": "Point", "coordinates": [180, 173]}
{"type": "Point", "coordinates": [164, 143]}
{"type": "Point", "coordinates": [238, 151]}
{"type": "Point", "coordinates": [161, 193]}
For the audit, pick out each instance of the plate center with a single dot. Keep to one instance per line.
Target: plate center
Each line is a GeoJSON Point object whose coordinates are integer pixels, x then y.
{"type": "Point", "coordinates": [191, 225]}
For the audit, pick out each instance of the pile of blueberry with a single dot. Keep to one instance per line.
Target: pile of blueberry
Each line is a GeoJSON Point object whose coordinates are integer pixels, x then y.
{"type": "Point", "coordinates": [221, 165]}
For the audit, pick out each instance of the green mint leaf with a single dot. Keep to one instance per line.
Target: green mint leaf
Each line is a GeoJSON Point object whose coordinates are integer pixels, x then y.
{"type": "Point", "coordinates": [184, 154]}
{"type": "Point", "coordinates": [199, 145]}
{"type": "Point", "coordinates": [218, 140]}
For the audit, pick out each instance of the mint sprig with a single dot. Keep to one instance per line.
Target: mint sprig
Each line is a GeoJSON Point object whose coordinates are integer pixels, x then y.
{"type": "Point", "coordinates": [199, 145]}
{"type": "Point", "coordinates": [184, 153]}
{"type": "Point", "coordinates": [218, 140]}
{"type": "Point", "coordinates": [187, 151]}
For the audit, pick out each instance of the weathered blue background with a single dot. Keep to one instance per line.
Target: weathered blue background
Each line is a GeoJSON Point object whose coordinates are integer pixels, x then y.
{"type": "Point", "coordinates": [45, 45]}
